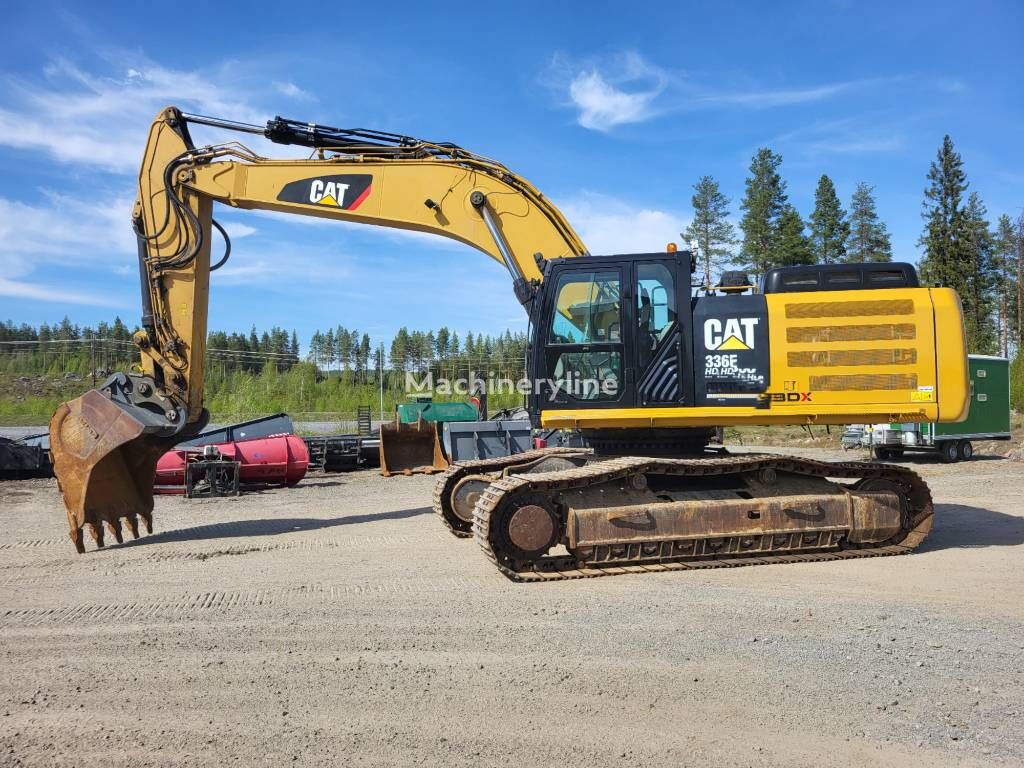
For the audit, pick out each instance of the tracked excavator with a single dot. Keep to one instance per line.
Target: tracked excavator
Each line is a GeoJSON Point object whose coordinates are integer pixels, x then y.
{"type": "Point", "coordinates": [622, 348]}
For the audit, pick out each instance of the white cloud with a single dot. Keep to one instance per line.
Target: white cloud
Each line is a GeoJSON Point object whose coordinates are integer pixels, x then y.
{"type": "Point", "coordinates": [69, 233]}
{"type": "Point", "coordinates": [101, 121]}
{"type": "Point", "coordinates": [621, 94]}
{"type": "Point", "coordinates": [67, 230]}
{"type": "Point", "coordinates": [603, 106]}
{"type": "Point", "coordinates": [848, 145]}
{"type": "Point", "coordinates": [41, 292]}
{"type": "Point", "coordinates": [762, 99]}
{"type": "Point", "coordinates": [237, 230]}
{"type": "Point", "coordinates": [609, 225]}
{"type": "Point", "coordinates": [629, 89]}
{"type": "Point", "coordinates": [292, 91]}
{"type": "Point", "coordinates": [861, 135]}
{"type": "Point", "coordinates": [952, 85]}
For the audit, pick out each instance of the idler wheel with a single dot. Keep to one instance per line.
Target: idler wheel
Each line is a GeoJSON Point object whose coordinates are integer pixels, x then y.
{"type": "Point", "coordinates": [466, 494]}
{"type": "Point", "coordinates": [528, 527]}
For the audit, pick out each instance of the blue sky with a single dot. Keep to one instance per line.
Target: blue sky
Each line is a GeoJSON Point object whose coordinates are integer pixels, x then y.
{"type": "Point", "coordinates": [614, 115]}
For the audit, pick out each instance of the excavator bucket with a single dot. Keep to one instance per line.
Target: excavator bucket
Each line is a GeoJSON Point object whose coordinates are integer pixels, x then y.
{"type": "Point", "coordinates": [105, 464]}
{"type": "Point", "coordinates": [410, 449]}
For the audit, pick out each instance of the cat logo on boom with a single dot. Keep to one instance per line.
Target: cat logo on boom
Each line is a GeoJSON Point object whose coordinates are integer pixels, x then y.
{"type": "Point", "coordinates": [346, 191]}
{"type": "Point", "coordinates": [327, 192]}
{"type": "Point", "coordinates": [734, 334]}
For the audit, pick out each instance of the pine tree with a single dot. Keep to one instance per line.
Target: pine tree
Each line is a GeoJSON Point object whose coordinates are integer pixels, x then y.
{"type": "Point", "coordinates": [1020, 286]}
{"type": "Point", "coordinates": [442, 343]}
{"type": "Point", "coordinates": [378, 360]}
{"type": "Point", "coordinates": [1005, 254]}
{"type": "Point", "coordinates": [354, 337]}
{"type": "Point", "coordinates": [315, 347]}
{"type": "Point", "coordinates": [120, 331]}
{"type": "Point", "coordinates": [343, 344]}
{"type": "Point", "coordinates": [944, 262]}
{"type": "Point", "coordinates": [981, 279]}
{"type": "Point", "coordinates": [293, 348]}
{"type": "Point", "coordinates": [710, 228]}
{"type": "Point", "coordinates": [330, 348]}
{"type": "Point", "coordinates": [364, 355]}
{"type": "Point", "coordinates": [792, 247]}
{"type": "Point", "coordinates": [763, 204]}
{"type": "Point", "coordinates": [829, 227]}
{"type": "Point", "coordinates": [400, 350]}
{"type": "Point", "coordinates": [869, 237]}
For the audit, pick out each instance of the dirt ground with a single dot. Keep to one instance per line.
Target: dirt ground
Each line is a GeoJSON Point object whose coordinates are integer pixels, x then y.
{"type": "Point", "coordinates": [337, 623]}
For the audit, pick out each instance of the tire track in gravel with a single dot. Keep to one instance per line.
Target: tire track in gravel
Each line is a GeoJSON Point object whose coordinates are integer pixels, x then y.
{"type": "Point", "coordinates": [192, 605]}
{"type": "Point", "coordinates": [131, 557]}
{"type": "Point", "coordinates": [35, 543]}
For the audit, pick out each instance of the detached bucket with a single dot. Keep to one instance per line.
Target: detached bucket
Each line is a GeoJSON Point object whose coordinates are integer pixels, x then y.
{"type": "Point", "coordinates": [410, 449]}
{"type": "Point", "coordinates": [105, 464]}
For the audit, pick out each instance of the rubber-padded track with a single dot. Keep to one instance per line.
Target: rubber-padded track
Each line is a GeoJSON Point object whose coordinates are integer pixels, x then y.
{"type": "Point", "coordinates": [447, 481]}
{"type": "Point", "coordinates": [551, 568]}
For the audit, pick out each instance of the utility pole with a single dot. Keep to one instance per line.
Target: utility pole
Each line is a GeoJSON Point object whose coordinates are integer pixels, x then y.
{"type": "Point", "coordinates": [92, 360]}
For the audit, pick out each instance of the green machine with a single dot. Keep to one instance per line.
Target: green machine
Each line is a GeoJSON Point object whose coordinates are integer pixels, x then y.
{"type": "Point", "coordinates": [426, 409]}
{"type": "Point", "coordinates": [987, 419]}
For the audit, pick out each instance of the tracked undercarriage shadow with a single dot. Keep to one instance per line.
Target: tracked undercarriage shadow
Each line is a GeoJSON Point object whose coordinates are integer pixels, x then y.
{"type": "Point", "coordinates": [268, 527]}
{"type": "Point", "coordinates": [960, 525]}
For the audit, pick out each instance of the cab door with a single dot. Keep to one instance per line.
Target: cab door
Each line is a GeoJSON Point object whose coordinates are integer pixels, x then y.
{"type": "Point", "coordinates": [585, 351]}
{"type": "Point", "coordinates": [660, 331]}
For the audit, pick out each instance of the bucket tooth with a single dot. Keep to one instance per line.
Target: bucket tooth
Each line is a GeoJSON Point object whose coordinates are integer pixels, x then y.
{"type": "Point", "coordinates": [114, 526]}
{"type": "Point", "coordinates": [96, 531]}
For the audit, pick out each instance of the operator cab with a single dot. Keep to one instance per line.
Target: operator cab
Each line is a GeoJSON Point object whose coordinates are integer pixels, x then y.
{"type": "Point", "coordinates": [613, 331]}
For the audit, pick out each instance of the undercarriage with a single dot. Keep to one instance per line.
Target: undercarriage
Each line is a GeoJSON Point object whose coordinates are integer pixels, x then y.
{"type": "Point", "coordinates": [565, 513]}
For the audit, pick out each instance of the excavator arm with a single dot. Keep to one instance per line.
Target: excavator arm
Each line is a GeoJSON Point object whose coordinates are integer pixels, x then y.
{"type": "Point", "coordinates": [105, 444]}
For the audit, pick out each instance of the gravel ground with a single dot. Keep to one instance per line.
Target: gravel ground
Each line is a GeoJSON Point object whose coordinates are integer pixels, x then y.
{"type": "Point", "coordinates": [338, 624]}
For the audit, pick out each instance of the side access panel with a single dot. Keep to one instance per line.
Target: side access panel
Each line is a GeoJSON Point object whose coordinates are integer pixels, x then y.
{"type": "Point", "coordinates": [731, 355]}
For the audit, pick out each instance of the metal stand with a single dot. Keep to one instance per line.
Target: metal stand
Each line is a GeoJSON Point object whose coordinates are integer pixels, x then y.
{"type": "Point", "coordinates": [211, 476]}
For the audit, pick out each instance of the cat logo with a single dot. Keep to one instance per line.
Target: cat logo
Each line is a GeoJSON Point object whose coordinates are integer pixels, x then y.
{"type": "Point", "coordinates": [734, 334]}
{"type": "Point", "coordinates": [346, 191]}
{"type": "Point", "coordinates": [327, 192]}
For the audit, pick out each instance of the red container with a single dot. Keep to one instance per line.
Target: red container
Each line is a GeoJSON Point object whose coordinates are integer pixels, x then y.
{"type": "Point", "coordinates": [279, 460]}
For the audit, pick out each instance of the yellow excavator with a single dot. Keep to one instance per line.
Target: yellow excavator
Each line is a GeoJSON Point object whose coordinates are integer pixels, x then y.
{"type": "Point", "coordinates": [622, 348]}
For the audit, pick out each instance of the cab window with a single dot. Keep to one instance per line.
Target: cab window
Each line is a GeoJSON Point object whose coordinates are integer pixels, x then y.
{"type": "Point", "coordinates": [656, 308]}
{"type": "Point", "coordinates": [587, 309]}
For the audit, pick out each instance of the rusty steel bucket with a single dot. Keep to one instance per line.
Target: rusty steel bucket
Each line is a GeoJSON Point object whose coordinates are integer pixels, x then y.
{"type": "Point", "coordinates": [411, 449]}
{"type": "Point", "coordinates": [105, 464]}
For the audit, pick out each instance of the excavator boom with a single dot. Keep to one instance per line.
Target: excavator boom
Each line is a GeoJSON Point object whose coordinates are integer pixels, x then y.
{"type": "Point", "coordinates": [105, 445]}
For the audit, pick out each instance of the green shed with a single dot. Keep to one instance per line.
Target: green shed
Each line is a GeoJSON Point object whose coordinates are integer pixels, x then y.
{"type": "Point", "coordinates": [988, 418]}
{"type": "Point", "coordinates": [989, 415]}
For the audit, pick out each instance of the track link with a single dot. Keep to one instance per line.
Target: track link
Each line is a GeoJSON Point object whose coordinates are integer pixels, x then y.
{"type": "Point", "coordinates": [557, 567]}
{"type": "Point", "coordinates": [447, 481]}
